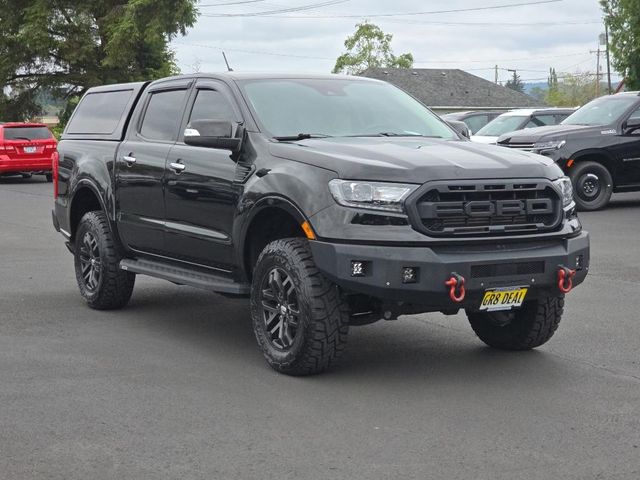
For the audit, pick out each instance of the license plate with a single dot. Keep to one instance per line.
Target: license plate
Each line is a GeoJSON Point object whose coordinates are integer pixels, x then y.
{"type": "Point", "coordinates": [503, 298]}
{"type": "Point", "coordinates": [30, 149]}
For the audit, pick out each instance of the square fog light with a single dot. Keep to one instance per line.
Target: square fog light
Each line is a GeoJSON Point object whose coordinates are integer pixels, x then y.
{"type": "Point", "coordinates": [410, 274]}
{"type": "Point", "coordinates": [358, 268]}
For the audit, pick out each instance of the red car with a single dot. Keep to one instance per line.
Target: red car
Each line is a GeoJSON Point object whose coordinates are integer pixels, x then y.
{"type": "Point", "coordinates": [25, 149]}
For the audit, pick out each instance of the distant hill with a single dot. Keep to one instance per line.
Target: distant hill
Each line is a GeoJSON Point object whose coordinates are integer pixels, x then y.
{"type": "Point", "coordinates": [530, 86]}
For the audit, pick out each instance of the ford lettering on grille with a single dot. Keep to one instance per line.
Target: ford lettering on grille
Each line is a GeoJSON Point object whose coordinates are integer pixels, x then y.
{"type": "Point", "coordinates": [492, 208]}
{"type": "Point", "coordinates": [487, 208]}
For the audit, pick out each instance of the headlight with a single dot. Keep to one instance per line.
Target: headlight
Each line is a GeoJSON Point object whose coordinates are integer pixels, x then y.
{"type": "Point", "coordinates": [550, 145]}
{"type": "Point", "coordinates": [566, 190]}
{"type": "Point", "coordinates": [371, 195]}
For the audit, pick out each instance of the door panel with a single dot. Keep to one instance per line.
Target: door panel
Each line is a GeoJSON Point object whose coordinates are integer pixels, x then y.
{"type": "Point", "coordinates": [200, 206]}
{"type": "Point", "coordinates": [139, 193]}
{"type": "Point", "coordinates": [627, 152]}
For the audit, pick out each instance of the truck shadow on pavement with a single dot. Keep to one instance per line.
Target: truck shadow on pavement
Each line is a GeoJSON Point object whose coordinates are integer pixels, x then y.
{"type": "Point", "coordinates": [407, 350]}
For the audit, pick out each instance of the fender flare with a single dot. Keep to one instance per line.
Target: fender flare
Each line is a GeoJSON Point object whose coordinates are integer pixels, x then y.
{"type": "Point", "coordinates": [268, 201]}
{"type": "Point", "coordinates": [86, 183]}
{"type": "Point", "coordinates": [611, 161]}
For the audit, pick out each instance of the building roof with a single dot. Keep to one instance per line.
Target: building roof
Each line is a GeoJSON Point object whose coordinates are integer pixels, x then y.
{"type": "Point", "coordinates": [452, 88]}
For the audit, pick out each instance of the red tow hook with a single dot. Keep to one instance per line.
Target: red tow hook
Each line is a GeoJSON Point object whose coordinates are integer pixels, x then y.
{"type": "Point", "coordinates": [456, 287]}
{"type": "Point", "coordinates": [565, 279]}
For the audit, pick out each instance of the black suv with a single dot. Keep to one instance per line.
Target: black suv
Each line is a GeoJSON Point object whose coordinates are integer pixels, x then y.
{"type": "Point", "coordinates": [330, 201]}
{"type": "Point", "coordinates": [598, 147]}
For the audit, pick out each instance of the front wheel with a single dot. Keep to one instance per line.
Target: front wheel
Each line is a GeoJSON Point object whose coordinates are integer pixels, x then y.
{"type": "Point", "coordinates": [592, 185]}
{"type": "Point", "coordinates": [299, 317]}
{"type": "Point", "coordinates": [102, 283]}
{"type": "Point", "coordinates": [531, 326]}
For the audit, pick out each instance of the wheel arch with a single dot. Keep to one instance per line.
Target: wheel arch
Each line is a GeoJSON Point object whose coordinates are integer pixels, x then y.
{"type": "Point", "coordinates": [271, 218]}
{"type": "Point", "coordinates": [86, 198]}
{"type": "Point", "coordinates": [595, 155]}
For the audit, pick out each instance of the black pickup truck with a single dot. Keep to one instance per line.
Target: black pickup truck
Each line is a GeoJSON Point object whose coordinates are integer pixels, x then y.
{"type": "Point", "coordinates": [598, 147]}
{"type": "Point", "coordinates": [330, 201]}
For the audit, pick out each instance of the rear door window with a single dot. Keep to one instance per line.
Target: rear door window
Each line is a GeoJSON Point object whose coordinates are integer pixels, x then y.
{"type": "Point", "coordinates": [163, 115]}
{"type": "Point", "coordinates": [27, 133]}
{"type": "Point", "coordinates": [99, 113]}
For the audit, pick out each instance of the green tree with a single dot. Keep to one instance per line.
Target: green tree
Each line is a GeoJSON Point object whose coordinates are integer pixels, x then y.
{"type": "Point", "coordinates": [515, 83]}
{"type": "Point", "coordinates": [369, 47]}
{"type": "Point", "coordinates": [552, 81]}
{"type": "Point", "coordinates": [68, 46]}
{"type": "Point", "coordinates": [573, 91]}
{"type": "Point", "coordinates": [623, 19]}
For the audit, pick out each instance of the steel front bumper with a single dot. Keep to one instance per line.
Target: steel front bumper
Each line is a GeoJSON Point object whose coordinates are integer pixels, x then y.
{"type": "Point", "coordinates": [532, 264]}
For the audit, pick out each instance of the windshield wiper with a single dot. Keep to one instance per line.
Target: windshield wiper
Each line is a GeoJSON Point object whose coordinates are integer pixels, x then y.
{"type": "Point", "coordinates": [301, 136]}
{"type": "Point", "coordinates": [21, 138]}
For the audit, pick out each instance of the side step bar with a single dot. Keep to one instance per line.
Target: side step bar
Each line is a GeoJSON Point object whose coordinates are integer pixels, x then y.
{"type": "Point", "coordinates": [183, 276]}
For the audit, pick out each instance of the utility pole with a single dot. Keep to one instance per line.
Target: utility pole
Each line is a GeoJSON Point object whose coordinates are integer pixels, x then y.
{"type": "Point", "coordinates": [496, 74]}
{"type": "Point", "coordinates": [597, 52]}
{"type": "Point", "coordinates": [606, 38]}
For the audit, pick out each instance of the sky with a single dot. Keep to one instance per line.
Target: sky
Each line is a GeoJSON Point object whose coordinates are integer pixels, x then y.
{"type": "Point", "coordinates": [527, 38]}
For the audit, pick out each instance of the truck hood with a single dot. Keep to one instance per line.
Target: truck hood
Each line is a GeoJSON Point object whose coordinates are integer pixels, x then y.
{"type": "Point", "coordinates": [551, 132]}
{"type": "Point", "coordinates": [415, 160]}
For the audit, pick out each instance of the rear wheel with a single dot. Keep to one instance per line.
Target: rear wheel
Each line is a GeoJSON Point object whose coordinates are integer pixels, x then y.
{"type": "Point", "coordinates": [299, 317]}
{"type": "Point", "coordinates": [97, 263]}
{"type": "Point", "coordinates": [592, 185]}
{"type": "Point", "coordinates": [529, 327]}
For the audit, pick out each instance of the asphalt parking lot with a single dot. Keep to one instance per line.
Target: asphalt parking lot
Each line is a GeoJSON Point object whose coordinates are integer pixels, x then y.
{"type": "Point", "coordinates": [174, 386]}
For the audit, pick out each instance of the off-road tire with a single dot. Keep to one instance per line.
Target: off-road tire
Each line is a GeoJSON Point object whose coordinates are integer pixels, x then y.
{"type": "Point", "coordinates": [578, 177]}
{"type": "Point", "coordinates": [531, 326]}
{"type": "Point", "coordinates": [323, 320]}
{"type": "Point", "coordinates": [114, 286]}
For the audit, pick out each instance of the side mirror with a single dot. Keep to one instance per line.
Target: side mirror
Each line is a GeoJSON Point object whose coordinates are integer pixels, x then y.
{"type": "Point", "coordinates": [631, 125]}
{"type": "Point", "coordinates": [460, 127]}
{"type": "Point", "coordinates": [211, 134]}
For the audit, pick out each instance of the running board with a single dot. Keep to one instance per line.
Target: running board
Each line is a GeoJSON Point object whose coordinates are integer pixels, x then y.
{"type": "Point", "coordinates": [184, 276]}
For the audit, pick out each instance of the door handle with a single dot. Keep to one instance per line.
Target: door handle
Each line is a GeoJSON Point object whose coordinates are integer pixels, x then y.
{"type": "Point", "coordinates": [177, 167]}
{"type": "Point", "coordinates": [129, 160]}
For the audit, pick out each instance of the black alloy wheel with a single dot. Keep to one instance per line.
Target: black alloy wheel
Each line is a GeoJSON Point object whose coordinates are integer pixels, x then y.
{"type": "Point", "coordinates": [280, 309]}
{"type": "Point", "coordinates": [300, 319]}
{"type": "Point", "coordinates": [101, 281]}
{"type": "Point", "coordinates": [592, 185]}
{"type": "Point", "coordinates": [589, 186]}
{"type": "Point", "coordinates": [90, 262]}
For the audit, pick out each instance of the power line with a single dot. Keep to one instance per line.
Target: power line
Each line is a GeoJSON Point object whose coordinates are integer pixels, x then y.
{"type": "Point", "coordinates": [432, 12]}
{"type": "Point", "coordinates": [231, 3]}
{"type": "Point", "coordinates": [282, 10]}
{"type": "Point", "coordinates": [253, 52]}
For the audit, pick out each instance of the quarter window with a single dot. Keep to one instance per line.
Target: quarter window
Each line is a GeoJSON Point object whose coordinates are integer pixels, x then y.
{"type": "Point", "coordinates": [163, 115]}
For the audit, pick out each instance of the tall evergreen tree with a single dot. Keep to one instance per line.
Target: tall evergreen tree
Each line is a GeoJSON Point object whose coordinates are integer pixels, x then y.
{"type": "Point", "coordinates": [515, 83]}
{"type": "Point", "coordinates": [67, 46]}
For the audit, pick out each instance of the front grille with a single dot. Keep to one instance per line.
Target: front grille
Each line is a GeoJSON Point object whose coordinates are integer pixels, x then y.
{"type": "Point", "coordinates": [484, 209]}
{"type": "Point", "coordinates": [527, 147]}
{"type": "Point", "coordinates": [505, 269]}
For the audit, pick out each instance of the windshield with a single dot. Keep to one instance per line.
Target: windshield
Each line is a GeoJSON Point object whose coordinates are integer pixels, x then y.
{"type": "Point", "coordinates": [602, 111]}
{"type": "Point", "coordinates": [26, 133]}
{"type": "Point", "coordinates": [340, 108]}
{"type": "Point", "coordinates": [502, 124]}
